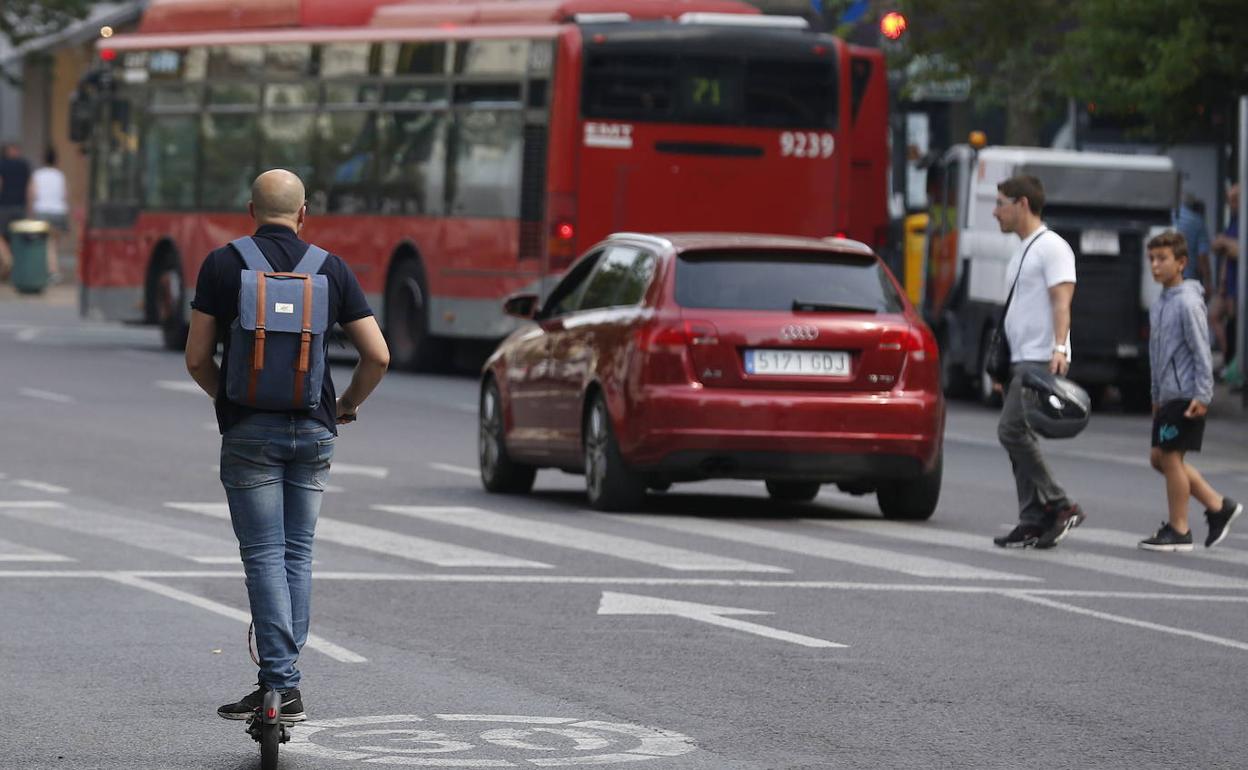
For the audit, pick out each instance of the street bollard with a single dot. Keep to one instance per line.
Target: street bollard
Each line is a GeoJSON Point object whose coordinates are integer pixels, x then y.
{"type": "Point", "coordinates": [29, 241]}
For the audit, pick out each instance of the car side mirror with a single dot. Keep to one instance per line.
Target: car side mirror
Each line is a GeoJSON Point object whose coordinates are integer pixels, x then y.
{"type": "Point", "coordinates": [521, 306]}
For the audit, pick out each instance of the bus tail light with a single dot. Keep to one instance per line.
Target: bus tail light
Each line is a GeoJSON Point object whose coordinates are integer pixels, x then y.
{"type": "Point", "coordinates": [561, 242]}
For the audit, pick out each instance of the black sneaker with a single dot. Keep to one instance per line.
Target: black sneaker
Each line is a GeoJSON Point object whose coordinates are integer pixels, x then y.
{"type": "Point", "coordinates": [1220, 522]}
{"type": "Point", "coordinates": [1022, 536]}
{"type": "Point", "coordinates": [1065, 519]}
{"type": "Point", "coordinates": [1166, 539]}
{"type": "Point", "coordinates": [292, 706]}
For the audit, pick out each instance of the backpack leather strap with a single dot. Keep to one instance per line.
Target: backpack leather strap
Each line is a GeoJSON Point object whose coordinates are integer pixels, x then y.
{"type": "Point", "coordinates": [305, 342]}
{"type": "Point", "coordinates": [257, 357]}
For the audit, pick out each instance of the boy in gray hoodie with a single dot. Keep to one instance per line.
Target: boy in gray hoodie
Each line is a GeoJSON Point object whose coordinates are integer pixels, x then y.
{"type": "Point", "coordinates": [1182, 372]}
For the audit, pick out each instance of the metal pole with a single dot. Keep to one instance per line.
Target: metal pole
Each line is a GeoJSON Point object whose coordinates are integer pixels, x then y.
{"type": "Point", "coordinates": [1241, 274]}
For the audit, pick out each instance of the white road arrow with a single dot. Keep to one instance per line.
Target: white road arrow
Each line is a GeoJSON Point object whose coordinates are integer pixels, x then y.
{"type": "Point", "coordinates": [631, 604]}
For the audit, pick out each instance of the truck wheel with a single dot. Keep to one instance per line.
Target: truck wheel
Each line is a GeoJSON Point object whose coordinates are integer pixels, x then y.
{"type": "Point", "coordinates": [988, 396]}
{"type": "Point", "coordinates": [610, 484]}
{"type": "Point", "coordinates": [953, 379]}
{"type": "Point", "coordinates": [913, 500]}
{"type": "Point", "coordinates": [499, 473]}
{"type": "Point", "coordinates": [793, 491]}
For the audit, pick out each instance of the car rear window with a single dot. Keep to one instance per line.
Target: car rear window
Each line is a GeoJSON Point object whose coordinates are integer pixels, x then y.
{"type": "Point", "coordinates": [784, 280]}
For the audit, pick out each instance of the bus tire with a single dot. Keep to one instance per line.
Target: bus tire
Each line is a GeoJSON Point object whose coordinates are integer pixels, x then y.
{"type": "Point", "coordinates": [412, 347]}
{"type": "Point", "coordinates": [914, 499]}
{"type": "Point", "coordinates": [169, 298]}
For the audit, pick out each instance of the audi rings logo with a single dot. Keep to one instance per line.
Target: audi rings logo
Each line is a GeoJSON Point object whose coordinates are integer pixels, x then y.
{"type": "Point", "coordinates": [799, 332]}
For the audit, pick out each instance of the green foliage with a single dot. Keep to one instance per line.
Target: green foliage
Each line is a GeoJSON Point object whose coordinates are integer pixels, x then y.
{"type": "Point", "coordinates": [22, 20]}
{"type": "Point", "coordinates": [1009, 51]}
{"type": "Point", "coordinates": [1173, 67]}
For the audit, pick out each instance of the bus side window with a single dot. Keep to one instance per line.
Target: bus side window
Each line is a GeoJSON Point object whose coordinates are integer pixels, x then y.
{"type": "Point", "coordinates": [484, 171]}
{"type": "Point", "coordinates": [345, 161]}
{"type": "Point", "coordinates": [229, 165]}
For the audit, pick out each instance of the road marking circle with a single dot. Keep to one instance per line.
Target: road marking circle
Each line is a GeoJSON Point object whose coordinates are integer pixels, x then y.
{"type": "Point", "coordinates": [483, 740]}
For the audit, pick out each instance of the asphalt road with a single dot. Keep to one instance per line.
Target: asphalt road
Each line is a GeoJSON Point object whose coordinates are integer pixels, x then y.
{"type": "Point", "coordinates": [458, 629]}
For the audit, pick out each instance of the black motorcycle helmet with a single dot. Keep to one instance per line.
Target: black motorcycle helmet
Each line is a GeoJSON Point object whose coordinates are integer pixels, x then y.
{"type": "Point", "coordinates": [1054, 406]}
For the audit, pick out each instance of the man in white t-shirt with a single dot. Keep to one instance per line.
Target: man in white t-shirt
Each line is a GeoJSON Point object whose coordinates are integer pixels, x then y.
{"type": "Point", "coordinates": [49, 203]}
{"type": "Point", "coordinates": [1037, 326]}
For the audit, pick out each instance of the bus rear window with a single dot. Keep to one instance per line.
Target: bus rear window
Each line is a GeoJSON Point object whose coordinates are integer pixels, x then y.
{"type": "Point", "coordinates": [710, 90]}
{"type": "Point", "coordinates": [784, 280]}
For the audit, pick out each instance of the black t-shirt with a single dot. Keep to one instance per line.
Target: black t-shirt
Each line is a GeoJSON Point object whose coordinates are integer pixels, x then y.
{"type": "Point", "coordinates": [14, 177]}
{"type": "Point", "coordinates": [216, 293]}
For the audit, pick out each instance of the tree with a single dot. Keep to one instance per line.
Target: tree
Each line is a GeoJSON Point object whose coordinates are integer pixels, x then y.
{"type": "Point", "coordinates": [1008, 50]}
{"type": "Point", "coordinates": [22, 20]}
{"type": "Point", "coordinates": [1174, 68]}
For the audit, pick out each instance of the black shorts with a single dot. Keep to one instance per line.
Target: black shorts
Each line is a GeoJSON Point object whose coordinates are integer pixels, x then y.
{"type": "Point", "coordinates": [1175, 433]}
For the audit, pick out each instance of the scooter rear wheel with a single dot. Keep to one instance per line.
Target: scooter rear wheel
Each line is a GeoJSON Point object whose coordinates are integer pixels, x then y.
{"type": "Point", "coordinates": [270, 737]}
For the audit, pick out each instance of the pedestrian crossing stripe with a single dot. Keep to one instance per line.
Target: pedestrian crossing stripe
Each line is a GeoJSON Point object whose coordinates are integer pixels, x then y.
{"type": "Point", "coordinates": [576, 538]}
{"type": "Point", "coordinates": [12, 552]}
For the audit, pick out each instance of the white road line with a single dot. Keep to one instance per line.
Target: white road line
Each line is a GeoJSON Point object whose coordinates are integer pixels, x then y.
{"type": "Point", "coordinates": [27, 334]}
{"type": "Point", "coordinates": [675, 582]}
{"type": "Point", "coordinates": [372, 471]}
{"type": "Point", "coordinates": [29, 504]}
{"type": "Point", "coordinates": [806, 545]}
{"type": "Point", "coordinates": [579, 539]}
{"type": "Point", "coordinates": [40, 486]}
{"type": "Point", "coordinates": [46, 395]}
{"type": "Point", "coordinates": [13, 552]}
{"type": "Point", "coordinates": [387, 542]}
{"type": "Point", "coordinates": [180, 386]}
{"type": "Point", "coordinates": [458, 469]}
{"type": "Point", "coordinates": [131, 532]}
{"type": "Point", "coordinates": [1232, 643]}
{"type": "Point", "coordinates": [1132, 540]}
{"type": "Point", "coordinates": [340, 654]}
{"type": "Point", "coordinates": [465, 407]}
{"type": "Point", "coordinates": [1139, 569]}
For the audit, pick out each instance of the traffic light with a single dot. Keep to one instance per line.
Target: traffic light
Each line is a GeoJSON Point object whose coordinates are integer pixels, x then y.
{"type": "Point", "coordinates": [892, 25]}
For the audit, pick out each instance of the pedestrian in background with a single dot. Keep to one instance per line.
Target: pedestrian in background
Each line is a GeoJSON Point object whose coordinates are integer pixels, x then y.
{"type": "Point", "coordinates": [274, 464]}
{"type": "Point", "coordinates": [1222, 309]}
{"type": "Point", "coordinates": [50, 203]}
{"type": "Point", "coordinates": [1189, 221]}
{"type": "Point", "coordinates": [14, 192]}
{"type": "Point", "coordinates": [1182, 381]}
{"type": "Point", "coordinates": [1037, 327]}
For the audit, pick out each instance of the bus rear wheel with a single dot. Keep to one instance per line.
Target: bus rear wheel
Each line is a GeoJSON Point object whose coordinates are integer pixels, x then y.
{"type": "Point", "coordinates": [412, 347]}
{"type": "Point", "coordinates": [169, 301]}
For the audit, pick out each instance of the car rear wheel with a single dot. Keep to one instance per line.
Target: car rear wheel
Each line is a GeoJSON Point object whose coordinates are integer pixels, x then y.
{"type": "Point", "coordinates": [793, 491]}
{"type": "Point", "coordinates": [912, 500]}
{"type": "Point", "coordinates": [499, 473]}
{"type": "Point", "coordinates": [609, 483]}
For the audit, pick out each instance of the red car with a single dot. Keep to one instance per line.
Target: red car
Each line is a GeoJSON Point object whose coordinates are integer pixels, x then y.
{"type": "Point", "coordinates": [659, 359]}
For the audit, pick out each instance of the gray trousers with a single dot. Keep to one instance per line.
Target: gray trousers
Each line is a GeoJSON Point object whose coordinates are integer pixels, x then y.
{"type": "Point", "coordinates": [1036, 487]}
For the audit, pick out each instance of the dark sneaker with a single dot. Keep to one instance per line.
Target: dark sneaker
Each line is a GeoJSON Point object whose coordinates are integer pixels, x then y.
{"type": "Point", "coordinates": [1220, 522]}
{"type": "Point", "coordinates": [1166, 539]}
{"type": "Point", "coordinates": [1022, 536]}
{"type": "Point", "coordinates": [1065, 519]}
{"type": "Point", "coordinates": [292, 706]}
{"type": "Point", "coordinates": [244, 708]}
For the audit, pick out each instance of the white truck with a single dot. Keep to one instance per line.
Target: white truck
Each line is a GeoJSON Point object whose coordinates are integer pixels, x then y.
{"type": "Point", "coordinates": [1105, 205]}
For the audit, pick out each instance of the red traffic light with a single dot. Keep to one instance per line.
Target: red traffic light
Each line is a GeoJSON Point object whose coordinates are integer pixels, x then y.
{"type": "Point", "coordinates": [892, 25]}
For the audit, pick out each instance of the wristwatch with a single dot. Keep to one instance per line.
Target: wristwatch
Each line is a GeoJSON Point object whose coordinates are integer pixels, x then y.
{"type": "Point", "coordinates": [1063, 349]}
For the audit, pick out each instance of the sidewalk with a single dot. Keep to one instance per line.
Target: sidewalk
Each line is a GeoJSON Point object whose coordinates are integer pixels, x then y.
{"type": "Point", "coordinates": [61, 295]}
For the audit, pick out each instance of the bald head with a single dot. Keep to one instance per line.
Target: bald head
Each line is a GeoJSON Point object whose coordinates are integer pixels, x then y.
{"type": "Point", "coordinates": [277, 198]}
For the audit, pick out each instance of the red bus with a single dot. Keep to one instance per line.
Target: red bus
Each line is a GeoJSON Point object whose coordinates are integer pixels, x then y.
{"type": "Point", "coordinates": [457, 153]}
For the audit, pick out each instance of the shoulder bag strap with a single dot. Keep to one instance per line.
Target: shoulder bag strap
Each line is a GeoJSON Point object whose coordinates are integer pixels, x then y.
{"type": "Point", "coordinates": [1018, 275]}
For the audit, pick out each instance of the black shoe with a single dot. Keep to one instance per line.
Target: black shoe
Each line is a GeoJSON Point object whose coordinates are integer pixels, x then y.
{"type": "Point", "coordinates": [1022, 536]}
{"type": "Point", "coordinates": [1220, 522]}
{"type": "Point", "coordinates": [292, 706]}
{"type": "Point", "coordinates": [1065, 519]}
{"type": "Point", "coordinates": [1166, 539]}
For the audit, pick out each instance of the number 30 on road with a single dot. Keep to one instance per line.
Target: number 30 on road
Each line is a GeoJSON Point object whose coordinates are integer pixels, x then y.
{"type": "Point", "coordinates": [806, 144]}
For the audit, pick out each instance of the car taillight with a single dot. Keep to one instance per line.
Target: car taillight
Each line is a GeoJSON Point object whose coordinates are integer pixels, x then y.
{"type": "Point", "coordinates": [909, 340]}
{"type": "Point", "coordinates": [922, 355]}
{"type": "Point", "coordinates": [665, 347]}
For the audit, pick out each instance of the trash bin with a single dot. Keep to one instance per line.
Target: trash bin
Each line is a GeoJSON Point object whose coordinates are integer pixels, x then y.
{"type": "Point", "coordinates": [28, 239]}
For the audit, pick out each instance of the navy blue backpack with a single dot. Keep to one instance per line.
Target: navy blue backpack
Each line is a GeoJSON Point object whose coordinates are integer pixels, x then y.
{"type": "Point", "coordinates": [277, 349]}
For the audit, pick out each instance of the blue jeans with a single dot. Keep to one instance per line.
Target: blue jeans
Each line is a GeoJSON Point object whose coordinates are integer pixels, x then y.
{"type": "Point", "coordinates": [274, 468]}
